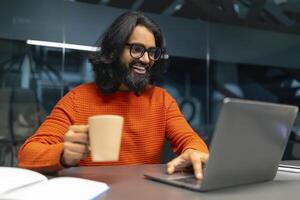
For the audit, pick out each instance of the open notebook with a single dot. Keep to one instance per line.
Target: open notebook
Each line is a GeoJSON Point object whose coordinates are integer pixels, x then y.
{"type": "Point", "coordinates": [23, 184]}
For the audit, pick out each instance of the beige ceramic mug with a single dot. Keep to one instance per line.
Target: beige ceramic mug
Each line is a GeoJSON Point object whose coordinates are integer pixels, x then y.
{"type": "Point", "coordinates": [105, 132]}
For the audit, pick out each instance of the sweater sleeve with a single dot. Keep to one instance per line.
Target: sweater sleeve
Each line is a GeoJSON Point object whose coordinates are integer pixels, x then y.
{"type": "Point", "coordinates": [179, 133]}
{"type": "Point", "coordinates": [42, 151]}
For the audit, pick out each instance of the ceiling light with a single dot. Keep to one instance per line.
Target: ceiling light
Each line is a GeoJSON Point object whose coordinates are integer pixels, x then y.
{"type": "Point", "coordinates": [62, 45]}
{"type": "Point", "coordinates": [178, 7]}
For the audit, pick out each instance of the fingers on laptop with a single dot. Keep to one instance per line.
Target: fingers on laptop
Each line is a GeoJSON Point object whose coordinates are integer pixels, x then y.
{"type": "Point", "coordinates": [177, 164]}
{"type": "Point", "coordinates": [188, 158]}
{"type": "Point", "coordinates": [196, 160]}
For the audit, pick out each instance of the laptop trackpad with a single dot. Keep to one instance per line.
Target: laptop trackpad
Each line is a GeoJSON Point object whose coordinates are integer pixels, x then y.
{"type": "Point", "coordinates": [182, 179]}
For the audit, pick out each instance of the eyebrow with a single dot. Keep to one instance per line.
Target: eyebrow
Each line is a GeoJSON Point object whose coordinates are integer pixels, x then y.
{"type": "Point", "coordinates": [137, 43]}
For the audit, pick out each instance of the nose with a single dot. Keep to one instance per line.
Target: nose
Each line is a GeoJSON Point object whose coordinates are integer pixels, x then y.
{"type": "Point", "coordinates": [145, 58]}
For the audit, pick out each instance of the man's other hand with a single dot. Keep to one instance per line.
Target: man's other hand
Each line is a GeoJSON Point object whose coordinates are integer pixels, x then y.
{"type": "Point", "coordinates": [189, 157]}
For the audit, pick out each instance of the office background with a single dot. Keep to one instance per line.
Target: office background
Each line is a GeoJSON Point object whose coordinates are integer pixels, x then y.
{"type": "Point", "coordinates": [246, 49]}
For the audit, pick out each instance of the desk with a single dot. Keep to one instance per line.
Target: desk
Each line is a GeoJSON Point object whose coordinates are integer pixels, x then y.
{"type": "Point", "coordinates": [128, 183]}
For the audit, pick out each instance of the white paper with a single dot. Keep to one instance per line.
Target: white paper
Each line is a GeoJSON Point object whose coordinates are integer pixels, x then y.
{"type": "Point", "coordinates": [12, 178]}
{"type": "Point", "coordinates": [289, 169]}
{"type": "Point", "coordinates": [61, 188]}
{"type": "Point", "coordinates": [289, 166]}
{"type": "Point", "coordinates": [21, 184]}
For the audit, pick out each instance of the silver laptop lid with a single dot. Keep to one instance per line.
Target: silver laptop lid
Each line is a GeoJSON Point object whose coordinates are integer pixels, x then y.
{"type": "Point", "coordinates": [248, 142]}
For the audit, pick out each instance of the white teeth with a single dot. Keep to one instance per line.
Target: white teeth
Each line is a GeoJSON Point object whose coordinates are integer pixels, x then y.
{"type": "Point", "coordinates": [139, 69]}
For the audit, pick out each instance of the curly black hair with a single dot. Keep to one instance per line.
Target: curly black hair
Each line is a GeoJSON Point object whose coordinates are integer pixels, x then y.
{"type": "Point", "coordinates": [108, 76]}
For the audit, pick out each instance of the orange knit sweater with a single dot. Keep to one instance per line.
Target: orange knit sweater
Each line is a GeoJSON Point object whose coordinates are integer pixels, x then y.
{"type": "Point", "coordinates": [148, 119]}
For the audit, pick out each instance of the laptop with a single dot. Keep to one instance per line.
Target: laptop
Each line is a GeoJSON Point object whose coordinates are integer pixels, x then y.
{"type": "Point", "coordinates": [247, 145]}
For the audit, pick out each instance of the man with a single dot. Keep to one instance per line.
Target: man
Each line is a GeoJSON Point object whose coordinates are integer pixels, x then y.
{"type": "Point", "coordinates": [131, 58]}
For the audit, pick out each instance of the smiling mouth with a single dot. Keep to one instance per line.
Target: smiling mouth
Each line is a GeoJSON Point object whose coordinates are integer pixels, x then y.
{"type": "Point", "coordinates": [139, 69]}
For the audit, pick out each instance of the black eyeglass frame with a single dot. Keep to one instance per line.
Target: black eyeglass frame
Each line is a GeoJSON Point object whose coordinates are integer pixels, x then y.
{"type": "Point", "coordinates": [131, 45]}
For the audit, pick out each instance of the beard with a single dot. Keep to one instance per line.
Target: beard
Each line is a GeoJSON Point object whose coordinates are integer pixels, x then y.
{"type": "Point", "coordinates": [136, 75]}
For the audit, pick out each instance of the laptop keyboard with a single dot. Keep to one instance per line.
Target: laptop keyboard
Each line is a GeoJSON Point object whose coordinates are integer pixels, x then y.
{"type": "Point", "coordinates": [189, 180]}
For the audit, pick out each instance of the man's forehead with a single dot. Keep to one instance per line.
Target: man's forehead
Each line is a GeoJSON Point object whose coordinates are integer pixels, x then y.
{"type": "Point", "coordinates": [142, 35]}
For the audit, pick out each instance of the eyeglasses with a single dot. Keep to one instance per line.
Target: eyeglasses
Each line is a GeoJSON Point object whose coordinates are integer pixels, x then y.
{"type": "Point", "coordinates": [138, 50]}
